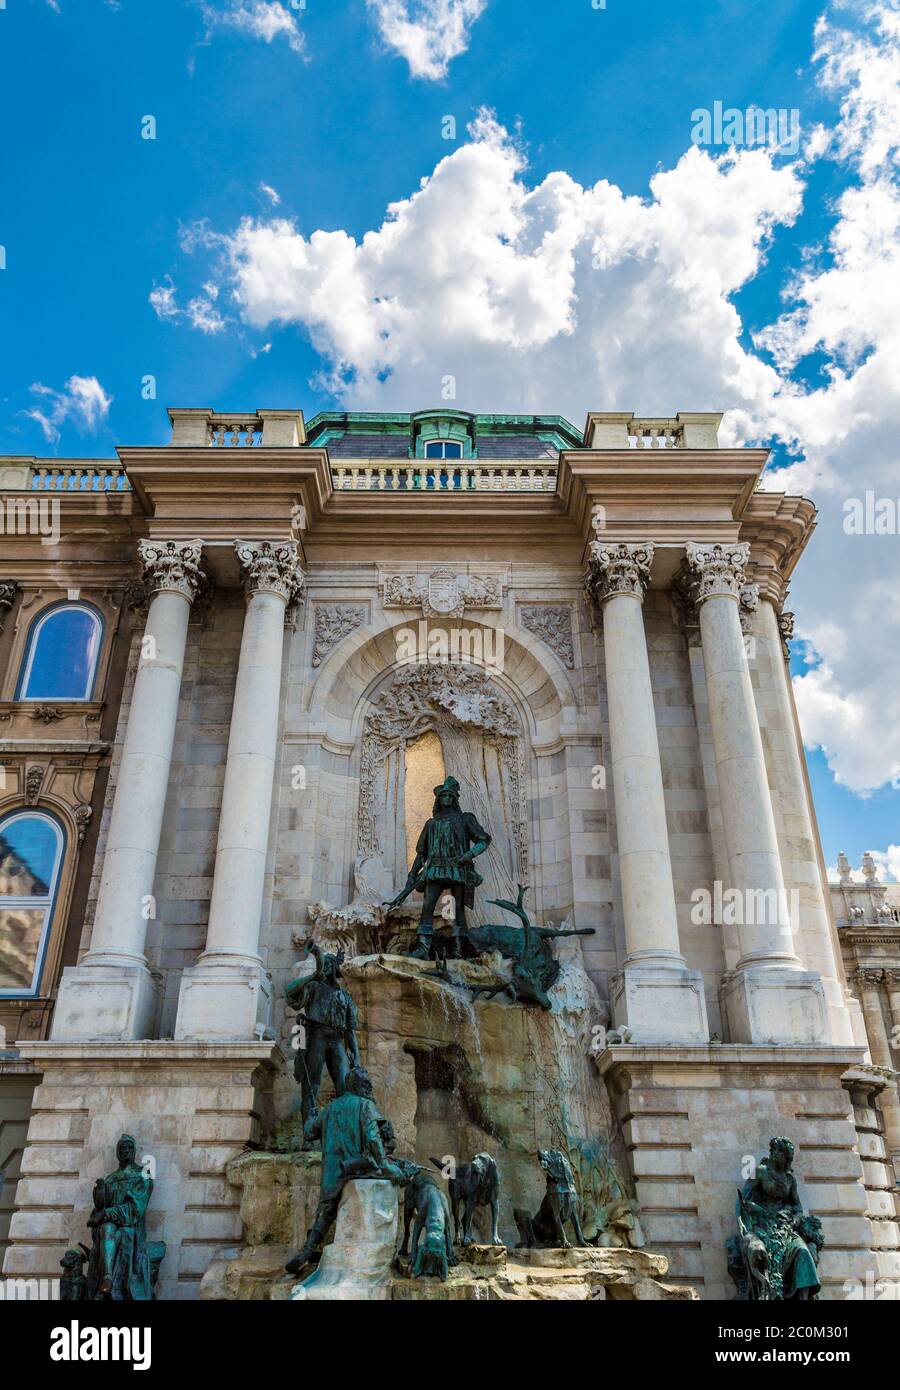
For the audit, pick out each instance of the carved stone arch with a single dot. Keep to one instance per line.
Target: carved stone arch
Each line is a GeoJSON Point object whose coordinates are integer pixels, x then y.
{"type": "Point", "coordinates": [531, 677]}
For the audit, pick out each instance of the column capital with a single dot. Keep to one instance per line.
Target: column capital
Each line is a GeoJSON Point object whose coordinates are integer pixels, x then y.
{"type": "Point", "coordinates": [869, 978]}
{"type": "Point", "coordinates": [271, 567]}
{"type": "Point", "coordinates": [786, 628]}
{"type": "Point", "coordinates": [719, 570]}
{"type": "Point", "coordinates": [172, 567]}
{"type": "Point", "coordinates": [619, 568]}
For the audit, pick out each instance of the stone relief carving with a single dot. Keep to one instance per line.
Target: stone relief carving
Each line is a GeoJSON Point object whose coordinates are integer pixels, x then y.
{"type": "Point", "coordinates": [334, 622]}
{"type": "Point", "coordinates": [47, 714]}
{"type": "Point", "coordinates": [34, 780]}
{"type": "Point", "coordinates": [442, 593]}
{"type": "Point", "coordinates": [553, 625]}
{"type": "Point", "coordinates": [8, 590]}
{"type": "Point", "coordinates": [786, 628]}
{"type": "Point", "coordinates": [748, 602]}
{"type": "Point", "coordinates": [83, 814]}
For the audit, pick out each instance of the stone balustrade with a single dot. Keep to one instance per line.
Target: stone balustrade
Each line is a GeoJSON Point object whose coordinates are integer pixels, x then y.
{"type": "Point", "coordinates": [78, 477]}
{"type": "Point", "coordinates": [201, 428]}
{"type": "Point", "coordinates": [624, 430]}
{"type": "Point", "coordinates": [427, 475]}
{"type": "Point", "coordinates": [236, 431]}
{"type": "Point", "coordinates": [656, 434]}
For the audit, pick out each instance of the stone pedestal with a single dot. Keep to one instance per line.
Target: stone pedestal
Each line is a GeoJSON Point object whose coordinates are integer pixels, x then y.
{"type": "Point", "coordinates": [773, 1006]}
{"type": "Point", "coordinates": [357, 1264]}
{"type": "Point", "coordinates": [192, 1107]}
{"type": "Point", "coordinates": [107, 1001]}
{"type": "Point", "coordinates": [660, 1003]}
{"type": "Point", "coordinates": [697, 1118]}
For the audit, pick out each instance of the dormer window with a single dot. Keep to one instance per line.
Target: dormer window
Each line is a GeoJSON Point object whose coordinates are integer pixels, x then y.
{"type": "Point", "coordinates": [443, 449]}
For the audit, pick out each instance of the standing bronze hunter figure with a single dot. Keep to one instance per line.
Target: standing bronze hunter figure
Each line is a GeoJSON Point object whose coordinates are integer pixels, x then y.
{"type": "Point", "coordinates": [449, 842]}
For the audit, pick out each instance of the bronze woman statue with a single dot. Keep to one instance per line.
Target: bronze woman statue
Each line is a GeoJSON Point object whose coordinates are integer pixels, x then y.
{"type": "Point", "coordinates": [776, 1252]}
{"type": "Point", "coordinates": [119, 1266]}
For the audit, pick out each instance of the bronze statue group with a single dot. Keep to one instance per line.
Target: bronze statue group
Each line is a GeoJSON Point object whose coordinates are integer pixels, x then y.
{"type": "Point", "coordinates": [774, 1254]}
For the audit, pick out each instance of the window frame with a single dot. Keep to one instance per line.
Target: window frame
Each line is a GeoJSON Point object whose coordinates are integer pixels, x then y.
{"type": "Point", "coordinates": [49, 901]}
{"type": "Point", "coordinates": [442, 444]}
{"type": "Point", "coordinates": [31, 644]}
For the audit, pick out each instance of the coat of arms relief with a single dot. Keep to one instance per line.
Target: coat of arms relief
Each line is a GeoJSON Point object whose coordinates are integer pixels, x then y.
{"type": "Point", "coordinates": [443, 593]}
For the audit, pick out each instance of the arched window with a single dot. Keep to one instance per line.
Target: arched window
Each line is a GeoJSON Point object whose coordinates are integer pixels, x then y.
{"type": "Point", "coordinates": [31, 851]}
{"type": "Point", "coordinates": [443, 449]}
{"type": "Point", "coordinates": [61, 655]}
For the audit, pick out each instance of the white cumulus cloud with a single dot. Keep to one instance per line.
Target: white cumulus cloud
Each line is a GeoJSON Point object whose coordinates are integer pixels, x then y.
{"type": "Point", "coordinates": [555, 296]}
{"type": "Point", "coordinates": [429, 34]}
{"type": "Point", "coordinates": [266, 20]}
{"type": "Point", "coordinates": [82, 401]}
{"type": "Point", "coordinates": [200, 311]}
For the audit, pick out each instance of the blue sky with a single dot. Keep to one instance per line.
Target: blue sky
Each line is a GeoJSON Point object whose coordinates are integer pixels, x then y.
{"type": "Point", "coordinates": [128, 257]}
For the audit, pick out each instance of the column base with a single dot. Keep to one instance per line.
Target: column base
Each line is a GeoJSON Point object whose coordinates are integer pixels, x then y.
{"type": "Point", "coordinates": [223, 1000]}
{"type": "Point", "coordinates": [660, 1004]}
{"type": "Point", "coordinates": [769, 1005]}
{"type": "Point", "coordinates": [106, 1003]}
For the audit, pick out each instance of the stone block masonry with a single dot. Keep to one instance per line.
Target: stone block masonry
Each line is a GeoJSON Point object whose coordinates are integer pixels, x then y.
{"type": "Point", "coordinates": [696, 1118]}
{"type": "Point", "coordinates": [192, 1107]}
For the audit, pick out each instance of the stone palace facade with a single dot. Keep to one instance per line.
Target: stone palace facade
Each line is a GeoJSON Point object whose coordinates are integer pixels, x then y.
{"type": "Point", "coordinates": [232, 668]}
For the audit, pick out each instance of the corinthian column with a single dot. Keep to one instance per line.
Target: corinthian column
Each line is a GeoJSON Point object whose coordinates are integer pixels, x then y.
{"type": "Point", "coordinates": [111, 993]}
{"type": "Point", "coordinates": [656, 995]}
{"type": "Point", "coordinates": [226, 994]}
{"type": "Point", "coordinates": [769, 998]}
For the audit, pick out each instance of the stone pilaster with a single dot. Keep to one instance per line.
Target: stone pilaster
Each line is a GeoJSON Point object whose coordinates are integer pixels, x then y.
{"type": "Point", "coordinates": [227, 993]}
{"type": "Point", "coordinates": [112, 994]}
{"type": "Point", "coordinates": [656, 995]}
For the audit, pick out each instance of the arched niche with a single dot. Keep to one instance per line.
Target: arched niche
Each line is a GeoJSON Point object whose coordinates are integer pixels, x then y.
{"type": "Point", "coordinates": [482, 745]}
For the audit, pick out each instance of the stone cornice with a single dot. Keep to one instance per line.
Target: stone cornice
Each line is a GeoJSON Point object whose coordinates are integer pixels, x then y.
{"type": "Point", "coordinates": [217, 493]}
{"type": "Point", "coordinates": [665, 495]}
{"type": "Point", "coordinates": [777, 528]}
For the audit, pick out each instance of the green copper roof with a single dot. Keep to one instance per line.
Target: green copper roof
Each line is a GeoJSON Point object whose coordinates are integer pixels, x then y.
{"type": "Point", "coordinates": [554, 430]}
